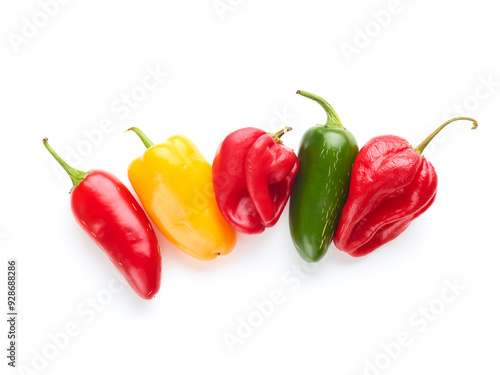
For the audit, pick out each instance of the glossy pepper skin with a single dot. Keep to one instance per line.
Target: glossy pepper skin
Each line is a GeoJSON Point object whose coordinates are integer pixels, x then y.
{"type": "Point", "coordinates": [174, 183]}
{"type": "Point", "coordinates": [320, 189]}
{"type": "Point", "coordinates": [110, 215]}
{"type": "Point", "coordinates": [253, 175]}
{"type": "Point", "coordinates": [391, 185]}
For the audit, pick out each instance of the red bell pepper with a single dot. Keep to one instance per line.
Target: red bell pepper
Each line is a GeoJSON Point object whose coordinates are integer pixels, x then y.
{"type": "Point", "coordinates": [391, 185]}
{"type": "Point", "coordinates": [107, 211]}
{"type": "Point", "coordinates": [253, 175]}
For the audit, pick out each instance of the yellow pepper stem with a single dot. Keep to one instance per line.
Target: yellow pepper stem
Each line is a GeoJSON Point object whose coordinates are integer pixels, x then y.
{"type": "Point", "coordinates": [147, 142]}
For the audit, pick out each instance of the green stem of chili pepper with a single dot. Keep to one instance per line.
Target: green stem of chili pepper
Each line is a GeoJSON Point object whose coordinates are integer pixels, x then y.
{"type": "Point", "coordinates": [147, 142]}
{"type": "Point", "coordinates": [332, 119]}
{"type": "Point", "coordinates": [420, 148]}
{"type": "Point", "coordinates": [76, 175]}
{"type": "Point", "coordinates": [277, 136]}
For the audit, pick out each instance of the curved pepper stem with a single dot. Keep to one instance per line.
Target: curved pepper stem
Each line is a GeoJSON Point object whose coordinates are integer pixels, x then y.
{"type": "Point", "coordinates": [277, 136]}
{"type": "Point", "coordinates": [420, 148]}
{"type": "Point", "coordinates": [76, 175]}
{"type": "Point", "coordinates": [147, 142]}
{"type": "Point", "coordinates": [332, 119]}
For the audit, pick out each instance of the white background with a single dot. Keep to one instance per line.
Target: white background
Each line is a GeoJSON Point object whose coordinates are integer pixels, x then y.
{"type": "Point", "coordinates": [230, 69]}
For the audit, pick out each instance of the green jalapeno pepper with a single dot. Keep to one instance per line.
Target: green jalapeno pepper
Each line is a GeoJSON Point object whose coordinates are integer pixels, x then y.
{"type": "Point", "coordinates": [320, 189]}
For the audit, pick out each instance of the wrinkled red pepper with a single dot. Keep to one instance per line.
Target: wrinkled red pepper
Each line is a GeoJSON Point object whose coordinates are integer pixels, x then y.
{"type": "Point", "coordinates": [391, 185]}
{"type": "Point", "coordinates": [253, 176]}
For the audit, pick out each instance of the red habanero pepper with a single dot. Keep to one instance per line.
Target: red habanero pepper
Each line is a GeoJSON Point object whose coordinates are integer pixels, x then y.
{"type": "Point", "coordinates": [107, 211]}
{"type": "Point", "coordinates": [253, 176]}
{"type": "Point", "coordinates": [391, 185]}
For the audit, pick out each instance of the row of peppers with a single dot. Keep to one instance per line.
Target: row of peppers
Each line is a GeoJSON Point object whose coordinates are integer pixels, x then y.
{"type": "Point", "coordinates": [360, 200]}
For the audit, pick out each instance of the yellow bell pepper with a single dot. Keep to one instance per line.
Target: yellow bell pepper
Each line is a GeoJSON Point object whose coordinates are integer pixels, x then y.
{"type": "Point", "coordinates": [174, 183]}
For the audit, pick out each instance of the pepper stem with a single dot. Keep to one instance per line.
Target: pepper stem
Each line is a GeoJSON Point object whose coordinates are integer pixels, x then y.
{"type": "Point", "coordinates": [76, 175]}
{"type": "Point", "coordinates": [277, 136]}
{"type": "Point", "coordinates": [147, 142]}
{"type": "Point", "coordinates": [420, 148]}
{"type": "Point", "coordinates": [332, 119]}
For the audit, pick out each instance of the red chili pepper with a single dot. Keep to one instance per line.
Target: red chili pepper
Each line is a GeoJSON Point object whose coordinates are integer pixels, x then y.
{"type": "Point", "coordinates": [107, 211]}
{"type": "Point", "coordinates": [391, 185]}
{"type": "Point", "coordinates": [253, 175]}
